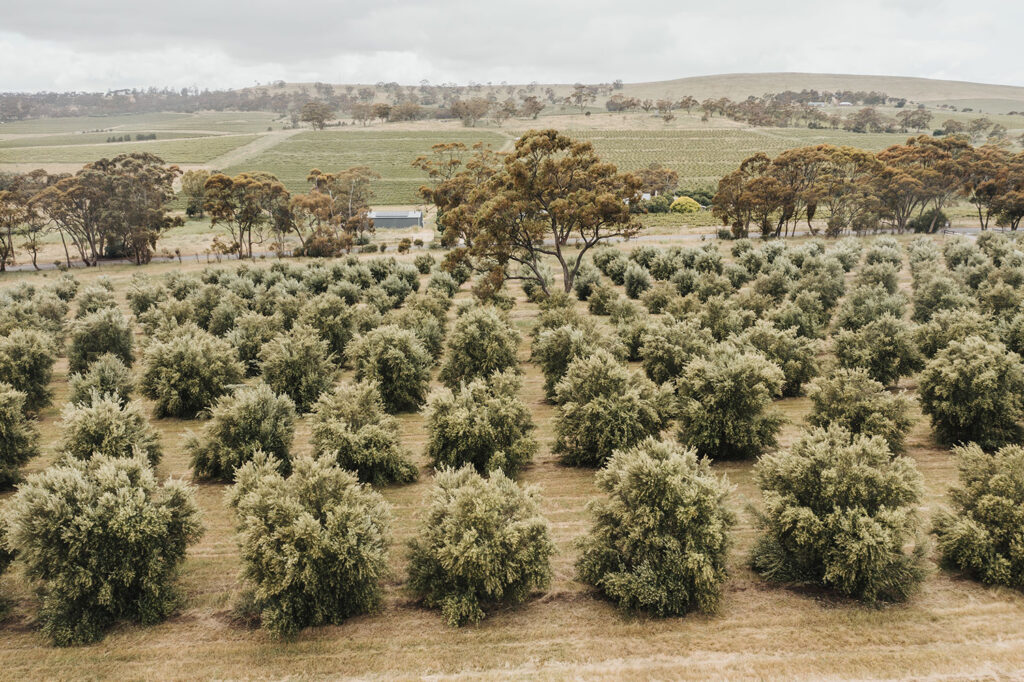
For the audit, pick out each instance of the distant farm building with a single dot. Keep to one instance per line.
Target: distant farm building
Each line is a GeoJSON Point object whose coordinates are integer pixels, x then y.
{"type": "Point", "coordinates": [815, 104]}
{"type": "Point", "coordinates": [396, 219]}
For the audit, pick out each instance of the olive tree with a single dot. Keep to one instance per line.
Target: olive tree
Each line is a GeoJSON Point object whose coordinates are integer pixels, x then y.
{"type": "Point", "coordinates": [250, 333]}
{"type": "Point", "coordinates": [667, 346]}
{"type": "Point", "coordinates": [867, 303]}
{"type": "Point", "coordinates": [397, 361]}
{"type": "Point", "coordinates": [107, 375]}
{"type": "Point", "coordinates": [351, 425]}
{"type": "Point", "coordinates": [973, 390]}
{"type": "Point", "coordinates": [103, 541]}
{"type": "Point", "coordinates": [99, 333]}
{"type": "Point", "coordinates": [885, 347]}
{"type": "Point", "coordinates": [554, 349]}
{"type": "Point", "coordinates": [795, 355]}
{"type": "Point", "coordinates": [482, 342]}
{"type": "Point", "coordinates": [483, 424]}
{"type": "Point", "coordinates": [314, 544]}
{"type": "Point", "coordinates": [298, 363]}
{"type": "Point", "coordinates": [984, 533]}
{"type": "Point", "coordinates": [185, 373]}
{"type": "Point", "coordinates": [252, 419]}
{"type": "Point", "coordinates": [660, 540]}
{"type": "Point", "coordinates": [603, 407]}
{"type": "Point", "coordinates": [483, 543]}
{"type": "Point", "coordinates": [850, 398]}
{"type": "Point", "coordinates": [105, 426]}
{"type": "Point", "coordinates": [19, 439]}
{"type": "Point", "coordinates": [724, 400]}
{"type": "Point", "coordinates": [839, 511]}
{"type": "Point", "coordinates": [26, 364]}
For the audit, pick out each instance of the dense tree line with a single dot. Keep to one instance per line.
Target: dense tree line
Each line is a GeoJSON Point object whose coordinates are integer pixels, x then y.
{"type": "Point", "coordinates": [904, 187]}
{"type": "Point", "coordinates": [110, 208]}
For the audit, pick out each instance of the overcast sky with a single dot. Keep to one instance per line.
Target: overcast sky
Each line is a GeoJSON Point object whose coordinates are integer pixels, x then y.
{"type": "Point", "coordinates": [103, 44]}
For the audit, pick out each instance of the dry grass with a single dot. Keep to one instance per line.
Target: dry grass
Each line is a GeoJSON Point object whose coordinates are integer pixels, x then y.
{"type": "Point", "coordinates": [953, 628]}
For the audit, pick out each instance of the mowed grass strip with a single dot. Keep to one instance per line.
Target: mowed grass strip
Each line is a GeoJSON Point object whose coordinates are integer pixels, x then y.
{"type": "Point", "coordinates": [388, 152]}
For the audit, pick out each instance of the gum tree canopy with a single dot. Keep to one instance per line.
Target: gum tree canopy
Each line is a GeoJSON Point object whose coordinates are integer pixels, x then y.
{"type": "Point", "coordinates": [549, 193]}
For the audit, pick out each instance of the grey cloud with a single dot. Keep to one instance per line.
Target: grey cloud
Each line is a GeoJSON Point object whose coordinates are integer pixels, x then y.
{"type": "Point", "coordinates": [547, 40]}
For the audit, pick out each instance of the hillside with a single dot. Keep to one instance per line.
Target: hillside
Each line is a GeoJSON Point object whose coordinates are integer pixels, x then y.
{"type": "Point", "coordinates": [740, 85]}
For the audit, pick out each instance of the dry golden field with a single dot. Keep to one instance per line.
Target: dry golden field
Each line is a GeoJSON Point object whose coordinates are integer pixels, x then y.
{"type": "Point", "coordinates": [952, 629]}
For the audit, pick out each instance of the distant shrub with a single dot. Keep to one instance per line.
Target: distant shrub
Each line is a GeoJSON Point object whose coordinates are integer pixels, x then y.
{"type": "Point", "coordinates": [483, 543]}
{"type": "Point", "coordinates": [587, 278]}
{"type": "Point", "coordinates": [805, 314]}
{"type": "Point", "coordinates": [94, 298]}
{"type": "Point", "coordinates": [660, 541]}
{"type": "Point", "coordinates": [26, 364]}
{"type": "Point", "coordinates": [423, 323]}
{"type": "Point", "coordinates": [840, 512]}
{"type": "Point", "coordinates": [186, 373]}
{"type": "Point", "coordinates": [314, 544]}
{"type": "Point", "coordinates": [684, 205]}
{"type": "Point", "coordinates": [105, 426]}
{"type": "Point", "coordinates": [397, 362]}
{"type": "Point", "coordinates": [984, 534]}
{"type": "Point", "coordinates": [250, 420]}
{"type": "Point", "coordinates": [351, 425]}
{"type": "Point", "coordinates": [107, 375]}
{"type": "Point", "coordinates": [667, 346]}
{"type": "Point", "coordinates": [847, 251]}
{"type": "Point", "coordinates": [601, 299]}
{"type": "Point", "coordinates": [879, 273]}
{"type": "Point", "coordinates": [643, 255]}
{"type": "Point", "coordinates": [822, 277]}
{"type": "Point", "coordinates": [973, 390]}
{"type": "Point", "coordinates": [143, 294]}
{"type": "Point", "coordinates": [249, 335]}
{"type": "Point", "coordinates": [636, 279]}
{"type": "Point", "coordinates": [937, 293]}
{"type": "Point", "coordinates": [885, 347]}
{"type": "Point", "coordinates": [424, 263]}
{"type": "Point", "coordinates": [1012, 333]}
{"type": "Point", "coordinates": [724, 401]}
{"type": "Point", "coordinates": [554, 349]}
{"type": "Point", "coordinates": [795, 355]}
{"type": "Point", "coordinates": [442, 282]}
{"type": "Point", "coordinates": [850, 398]}
{"type": "Point", "coordinates": [884, 250]}
{"type": "Point", "coordinates": [66, 287]}
{"type": "Point", "coordinates": [19, 439]}
{"type": "Point", "coordinates": [658, 297]}
{"type": "Point", "coordinates": [482, 342]}
{"type": "Point", "coordinates": [946, 326]}
{"type": "Point", "coordinates": [299, 364]}
{"type": "Point", "coordinates": [603, 407]}
{"type": "Point", "coordinates": [865, 304]}
{"type": "Point", "coordinates": [103, 542]}
{"type": "Point", "coordinates": [163, 319]}
{"type": "Point", "coordinates": [99, 333]}
{"type": "Point", "coordinates": [630, 334]}
{"type": "Point", "coordinates": [484, 424]}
